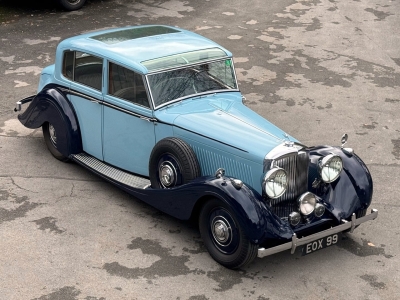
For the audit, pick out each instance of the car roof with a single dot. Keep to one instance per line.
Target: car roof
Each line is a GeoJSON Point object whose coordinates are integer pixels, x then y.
{"type": "Point", "coordinates": [131, 46]}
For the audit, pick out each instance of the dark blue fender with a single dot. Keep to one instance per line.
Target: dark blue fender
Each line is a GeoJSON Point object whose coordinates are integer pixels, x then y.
{"type": "Point", "coordinates": [254, 216]}
{"type": "Point", "coordinates": [352, 192]}
{"type": "Point", "coordinates": [51, 105]}
{"type": "Point", "coordinates": [183, 202]}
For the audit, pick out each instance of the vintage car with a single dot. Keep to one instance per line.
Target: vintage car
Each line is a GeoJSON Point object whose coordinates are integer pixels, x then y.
{"type": "Point", "coordinates": [157, 111]}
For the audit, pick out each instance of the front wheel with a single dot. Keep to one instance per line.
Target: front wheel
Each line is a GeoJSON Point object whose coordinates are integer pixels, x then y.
{"type": "Point", "coordinates": [223, 236]}
{"type": "Point", "coordinates": [50, 137]}
{"type": "Point", "coordinates": [71, 4]}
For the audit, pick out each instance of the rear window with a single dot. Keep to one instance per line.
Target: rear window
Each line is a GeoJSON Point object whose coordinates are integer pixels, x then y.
{"type": "Point", "coordinates": [84, 68]}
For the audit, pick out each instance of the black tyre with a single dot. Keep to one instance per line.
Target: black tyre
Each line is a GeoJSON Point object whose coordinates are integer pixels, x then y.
{"type": "Point", "coordinates": [172, 163]}
{"type": "Point", "coordinates": [50, 137]}
{"type": "Point", "coordinates": [223, 236]}
{"type": "Point", "coordinates": [71, 4]}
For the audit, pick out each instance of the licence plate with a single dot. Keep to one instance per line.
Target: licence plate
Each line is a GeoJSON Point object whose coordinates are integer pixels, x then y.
{"type": "Point", "coordinates": [321, 243]}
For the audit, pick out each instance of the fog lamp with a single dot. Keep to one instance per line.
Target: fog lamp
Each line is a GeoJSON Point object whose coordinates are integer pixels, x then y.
{"type": "Point", "coordinates": [294, 218]}
{"type": "Point", "coordinates": [307, 203]}
{"type": "Point", "coordinates": [319, 210]}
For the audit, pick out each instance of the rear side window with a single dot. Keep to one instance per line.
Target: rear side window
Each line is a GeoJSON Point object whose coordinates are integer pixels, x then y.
{"type": "Point", "coordinates": [68, 64]}
{"type": "Point", "coordinates": [84, 68]}
{"type": "Point", "coordinates": [126, 84]}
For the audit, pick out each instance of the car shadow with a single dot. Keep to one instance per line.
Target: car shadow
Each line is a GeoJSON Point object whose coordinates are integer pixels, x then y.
{"type": "Point", "coordinates": [10, 8]}
{"type": "Point", "coordinates": [28, 6]}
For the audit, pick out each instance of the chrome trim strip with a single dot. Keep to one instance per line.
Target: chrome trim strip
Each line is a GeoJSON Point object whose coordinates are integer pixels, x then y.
{"type": "Point", "coordinates": [234, 73]}
{"type": "Point", "coordinates": [127, 101]}
{"type": "Point", "coordinates": [262, 252]}
{"type": "Point", "coordinates": [148, 92]}
{"type": "Point", "coordinates": [129, 112]}
{"type": "Point", "coordinates": [84, 96]}
{"type": "Point", "coordinates": [59, 87]}
{"type": "Point", "coordinates": [147, 85]}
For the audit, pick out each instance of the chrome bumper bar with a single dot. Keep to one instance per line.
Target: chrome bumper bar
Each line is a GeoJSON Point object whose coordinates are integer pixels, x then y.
{"type": "Point", "coordinates": [18, 105]}
{"type": "Point", "coordinates": [305, 240]}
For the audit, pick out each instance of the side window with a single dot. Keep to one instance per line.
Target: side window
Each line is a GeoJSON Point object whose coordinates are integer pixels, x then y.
{"type": "Point", "coordinates": [68, 64]}
{"type": "Point", "coordinates": [126, 84]}
{"type": "Point", "coordinates": [83, 68]}
{"type": "Point", "coordinates": [88, 70]}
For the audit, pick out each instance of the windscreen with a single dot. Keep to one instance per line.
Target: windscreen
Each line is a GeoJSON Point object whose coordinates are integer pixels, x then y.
{"type": "Point", "coordinates": [191, 80]}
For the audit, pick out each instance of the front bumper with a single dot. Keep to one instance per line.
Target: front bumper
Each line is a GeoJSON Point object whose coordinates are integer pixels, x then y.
{"type": "Point", "coordinates": [346, 225]}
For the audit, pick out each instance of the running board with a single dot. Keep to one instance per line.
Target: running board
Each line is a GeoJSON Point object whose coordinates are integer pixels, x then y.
{"type": "Point", "coordinates": [110, 172]}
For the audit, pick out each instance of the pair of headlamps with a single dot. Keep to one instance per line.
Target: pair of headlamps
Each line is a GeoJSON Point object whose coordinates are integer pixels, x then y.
{"type": "Point", "coordinates": [275, 184]}
{"type": "Point", "coordinates": [275, 181]}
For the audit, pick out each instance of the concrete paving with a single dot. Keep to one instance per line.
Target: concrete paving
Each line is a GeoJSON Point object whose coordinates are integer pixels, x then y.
{"type": "Point", "coordinates": [315, 68]}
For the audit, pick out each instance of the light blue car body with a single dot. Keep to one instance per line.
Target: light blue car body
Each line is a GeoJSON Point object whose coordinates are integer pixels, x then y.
{"type": "Point", "coordinates": [221, 130]}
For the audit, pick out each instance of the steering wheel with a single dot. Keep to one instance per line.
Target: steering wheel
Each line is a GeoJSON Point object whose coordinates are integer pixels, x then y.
{"type": "Point", "coordinates": [175, 82]}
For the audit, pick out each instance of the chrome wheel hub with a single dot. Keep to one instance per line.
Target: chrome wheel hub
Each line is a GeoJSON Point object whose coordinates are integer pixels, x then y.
{"type": "Point", "coordinates": [53, 135]}
{"type": "Point", "coordinates": [221, 231]}
{"type": "Point", "coordinates": [167, 174]}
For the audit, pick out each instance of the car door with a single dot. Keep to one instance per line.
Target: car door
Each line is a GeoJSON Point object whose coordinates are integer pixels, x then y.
{"type": "Point", "coordinates": [128, 130]}
{"type": "Point", "coordinates": [86, 74]}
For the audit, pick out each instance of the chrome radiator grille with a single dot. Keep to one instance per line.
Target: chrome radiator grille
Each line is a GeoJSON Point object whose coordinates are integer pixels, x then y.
{"type": "Point", "coordinates": [296, 166]}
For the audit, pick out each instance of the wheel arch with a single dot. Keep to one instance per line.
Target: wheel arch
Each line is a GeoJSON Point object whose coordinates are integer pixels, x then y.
{"type": "Point", "coordinates": [194, 217]}
{"type": "Point", "coordinates": [51, 105]}
{"type": "Point", "coordinates": [251, 212]}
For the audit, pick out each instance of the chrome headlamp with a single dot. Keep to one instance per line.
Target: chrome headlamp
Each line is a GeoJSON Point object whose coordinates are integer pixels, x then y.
{"type": "Point", "coordinates": [330, 167]}
{"type": "Point", "coordinates": [319, 210]}
{"type": "Point", "coordinates": [275, 182]}
{"type": "Point", "coordinates": [307, 203]}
